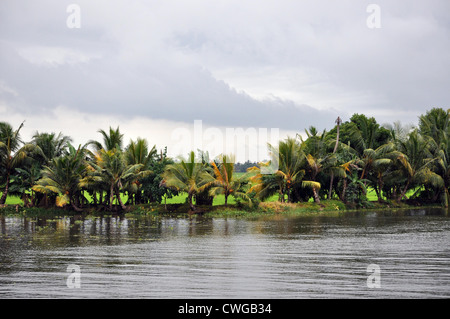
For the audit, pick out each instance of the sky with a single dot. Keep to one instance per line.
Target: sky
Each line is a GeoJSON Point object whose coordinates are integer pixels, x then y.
{"type": "Point", "coordinates": [155, 68]}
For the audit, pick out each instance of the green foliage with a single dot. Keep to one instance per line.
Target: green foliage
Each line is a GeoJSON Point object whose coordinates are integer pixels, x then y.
{"type": "Point", "coordinates": [396, 163]}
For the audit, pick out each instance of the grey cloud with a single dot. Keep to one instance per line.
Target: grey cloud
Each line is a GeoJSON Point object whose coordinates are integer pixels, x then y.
{"type": "Point", "coordinates": [179, 94]}
{"type": "Point", "coordinates": [161, 61]}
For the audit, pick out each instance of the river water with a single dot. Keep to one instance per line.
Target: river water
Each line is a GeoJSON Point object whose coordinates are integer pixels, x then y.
{"type": "Point", "coordinates": [277, 257]}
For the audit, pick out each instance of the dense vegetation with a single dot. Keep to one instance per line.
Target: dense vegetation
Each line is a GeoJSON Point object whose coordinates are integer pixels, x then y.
{"type": "Point", "coordinates": [342, 164]}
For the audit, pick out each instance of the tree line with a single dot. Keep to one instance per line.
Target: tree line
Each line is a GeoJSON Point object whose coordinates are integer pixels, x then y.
{"type": "Point", "coordinates": [399, 163]}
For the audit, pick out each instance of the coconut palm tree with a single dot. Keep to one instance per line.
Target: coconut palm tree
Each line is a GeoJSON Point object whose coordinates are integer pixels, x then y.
{"type": "Point", "coordinates": [338, 125]}
{"type": "Point", "coordinates": [442, 167]}
{"type": "Point", "coordinates": [111, 140]}
{"type": "Point", "coordinates": [12, 154]}
{"type": "Point", "coordinates": [138, 152]}
{"type": "Point", "coordinates": [111, 170]}
{"type": "Point", "coordinates": [52, 145]}
{"type": "Point", "coordinates": [225, 181]}
{"type": "Point", "coordinates": [375, 163]}
{"type": "Point", "coordinates": [291, 159]}
{"type": "Point", "coordinates": [290, 172]}
{"type": "Point", "coordinates": [415, 160]}
{"type": "Point", "coordinates": [62, 177]}
{"type": "Point", "coordinates": [436, 124]}
{"type": "Point", "coordinates": [189, 176]}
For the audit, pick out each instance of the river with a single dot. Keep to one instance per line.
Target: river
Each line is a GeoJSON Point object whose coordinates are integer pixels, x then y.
{"type": "Point", "coordinates": [273, 257]}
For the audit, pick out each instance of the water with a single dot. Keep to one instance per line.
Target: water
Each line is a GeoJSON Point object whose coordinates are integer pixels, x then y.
{"type": "Point", "coordinates": [277, 257]}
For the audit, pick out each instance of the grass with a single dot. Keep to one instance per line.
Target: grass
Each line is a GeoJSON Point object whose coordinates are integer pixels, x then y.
{"type": "Point", "coordinates": [177, 206]}
{"type": "Point", "coordinates": [219, 200]}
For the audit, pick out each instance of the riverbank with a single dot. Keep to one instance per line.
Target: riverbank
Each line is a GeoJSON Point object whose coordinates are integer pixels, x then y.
{"type": "Point", "coordinates": [329, 207]}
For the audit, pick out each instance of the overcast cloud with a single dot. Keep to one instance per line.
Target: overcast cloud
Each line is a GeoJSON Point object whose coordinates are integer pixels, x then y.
{"type": "Point", "coordinates": [150, 66]}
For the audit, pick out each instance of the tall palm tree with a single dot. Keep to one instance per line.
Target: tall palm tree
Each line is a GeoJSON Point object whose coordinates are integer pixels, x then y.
{"type": "Point", "coordinates": [436, 124]}
{"type": "Point", "coordinates": [189, 176]}
{"type": "Point", "coordinates": [138, 152]}
{"type": "Point", "coordinates": [416, 159]}
{"type": "Point", "coordinates": [110, 169]}
{"type": "Point", "coordinates": [442, 167]}
{"type": "Point", "coordinates": [111, 140]}
{"type": "Point", "coordinates": [363, 133]}
{"type": "Point", "coordinates": [314, 166]}
{"type": "Point", "coordinates": [52, 145]}
{"type": "Point", "coordinates": [12, 154]}
{"type": "Point", "coordinates": [225, 181]}
{"type": "Point", "coordinates": [62, 177]}
{"type": "Point", "coordinates": [290, 158]}
{"type": "Point", "coordinates": [338, 125]}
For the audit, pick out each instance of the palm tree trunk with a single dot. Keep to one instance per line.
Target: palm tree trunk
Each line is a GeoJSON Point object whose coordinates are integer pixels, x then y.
{"type": "Point", "coordinates": [111, 197]}
{"type": "Point", "coordinates": [76, 208]}
{"type": "Point", "coordinates": [5, 191]}
{"type": "Point", "coordinates": [316, 196]}
{"type": "Point", "coordinates": [331, 186]}
{"type": "Point", "coordinates": [344, 189]}
{"type": "Point", "coordinates": [380, 188]}
{"type": "Point", "coordinates": [120, 201]}
{"type": "Point", "coordinates": [191, 205]}
{"type": "Point", "coordinates": [338, 122]}
{"type": "Point", "coordinates": [446, 197]}
{"type": "Point", "coordinates": [403, 193]}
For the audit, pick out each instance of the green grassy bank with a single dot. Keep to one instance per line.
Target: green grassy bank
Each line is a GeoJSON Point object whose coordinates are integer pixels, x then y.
{"type": "Point", "coordinates": [268, 208]}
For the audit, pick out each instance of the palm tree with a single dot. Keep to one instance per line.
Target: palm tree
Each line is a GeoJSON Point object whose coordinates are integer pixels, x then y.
{"type": "Point", "coordinates": [314, 166]}
{"type": "Point", "coordinates": [62, 177]}
{"type": "Point", "coordinates": [338, 125]}
{"type": "Point", "coordinates": [111, 170]}
{"type": "Point", "coordinates": [436, 124]}
{"type": "Point", "coordinates": [363, 133]}
{"type": "Point", "coordinates": [137, 152]}
{"type": "Point", "coordinates": [111, 140]}
{"type": "Point", "coordinates": [442, 167]}
{"type": "Point", "coordinates": [52, 145]}
{"type": "Point", "coordinates": [290, 172]}
{"type": "Point", "coordinates": [415, 159]}
{"type": "Point", "coordinates": [12, 155]}
{"type": "Point", "coordinates": [187, 176]}
{"type": "Point", "coordinates": [291, 161]}
{"type": "Point", "coordinates": [225, 183]}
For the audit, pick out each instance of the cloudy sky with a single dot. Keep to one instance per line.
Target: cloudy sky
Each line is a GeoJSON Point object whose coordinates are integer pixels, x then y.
{"type": "Point", "coordinates": [152, 67]}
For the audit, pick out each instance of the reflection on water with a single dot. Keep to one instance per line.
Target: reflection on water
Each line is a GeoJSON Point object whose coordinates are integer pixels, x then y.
{"type": "Point", "coordinates": [272, 257]}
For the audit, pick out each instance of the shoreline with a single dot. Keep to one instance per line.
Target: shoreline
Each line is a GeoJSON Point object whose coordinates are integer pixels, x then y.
{"type": "Point", "coordinates": [326, 207]}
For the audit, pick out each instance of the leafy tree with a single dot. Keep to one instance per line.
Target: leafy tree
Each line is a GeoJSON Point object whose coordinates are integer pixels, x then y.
{"type": "Point", "coordinates": [152, 184]}
{"type": "Point", "coordinates": [138, 152]}
{"type": "Point", "coordinates": [442, 168]}
{"type": "Point", "coordinates": [111, 140]}
{"type": "Point", "coordinates": [51, 145]}
{"type": "Point", "coordinates": [62, 177]}
{"type": "Point", "coordinates": [415, 159]}
{"type": "Point", "coordinates": [12, 154]}
{"type": "Point", "coordinates": [225, 181]}
{"type": "Point", "coordinates": [187, 176]}
{"type": "Point", "coordinates": [111, 169]}
{"type": "Point", "coordinates": [436, 124]}
{"type": "Point", "coordinates": [362, 133]}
